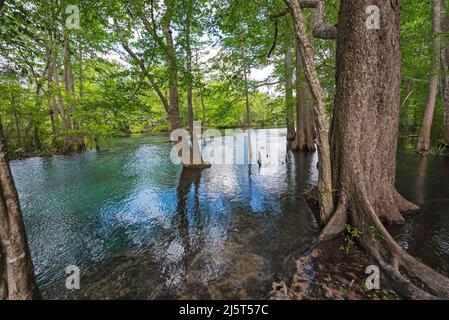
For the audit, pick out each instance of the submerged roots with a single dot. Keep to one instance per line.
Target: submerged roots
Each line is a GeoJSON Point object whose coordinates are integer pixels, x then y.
{"type": "Point", "coordinates": [408, 276]}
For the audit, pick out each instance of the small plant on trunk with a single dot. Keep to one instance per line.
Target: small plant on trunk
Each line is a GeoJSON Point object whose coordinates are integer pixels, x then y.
{"type": "Point", "coordinates": [351, 235]}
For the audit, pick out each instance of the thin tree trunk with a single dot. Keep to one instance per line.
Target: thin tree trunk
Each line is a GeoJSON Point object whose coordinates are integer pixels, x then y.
{"type": "Point", "coordinates": [172, 67]}
{"type": "Point", "coordinates": [97, 143]}
{"type": "Point", "coordinates": [36, 139]}
{"type": "Point", "coordinates": [58, 96]}
{"type": "Point", "coordinates": [50, 90]}
{"type": "Point", "coordinates": [195, 155]}
{"type": "Point", "coordinates": [426, 128]}
{"type": "Point", "coordinates": [70, 90]}
{"type": "Point", "coordinates": [17, 123]}
{"type": "Point", "coordinates": [17, 279]}
{"type": "Point", "coordinates": [170, 104]}
{"type": "Point", "coordinates": [16, 118]}
{"type": "Point", "coordinates": [201, 95]}
{"type": "Point", "coordinates": [325, 189]}
{"type": "Point", "coordinates": [203, 110]}
{"type": "Point", "coordinates": [406, 107]}
{"type": "Point", "coordinates": [247, 99]}
{"type": "Point", "coordinates": [58, 104]}
{"type": "Point", "coordinates": [244, 70]}
{"type": "Point", "coordinates": [80, 66]}
{"type": "Point", "coordinates": [245, 77]}
{"type": "Point", "coordinates": [288, 68]}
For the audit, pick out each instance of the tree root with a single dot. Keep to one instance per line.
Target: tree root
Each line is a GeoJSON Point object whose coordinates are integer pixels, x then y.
{"type": "Point", "coordinates": [336, 224]}
{"type": "Point", "coordinates": [403, 204]}
{"type": "Point", "coordinates": [408, 276]}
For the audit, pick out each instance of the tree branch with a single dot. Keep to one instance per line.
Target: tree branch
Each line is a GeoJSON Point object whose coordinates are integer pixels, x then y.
{"type": "Point", "coordinates": [273, 46]}
{"type": "Point", "coordinates": [320, 29]}
{"type": "Point", "coordinates": [144, 69]}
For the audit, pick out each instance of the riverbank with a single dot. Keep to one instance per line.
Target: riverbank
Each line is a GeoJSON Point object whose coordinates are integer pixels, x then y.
{"type": "Point", "coordinates": [46, 152]}
{"type": "Point", "coordinates": [327, 272]}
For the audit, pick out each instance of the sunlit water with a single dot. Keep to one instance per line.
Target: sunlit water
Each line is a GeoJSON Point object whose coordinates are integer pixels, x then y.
{"type": "Point", "coordinates": [140, 227]}
{"type": "Point", "coordinates": [227, 231]}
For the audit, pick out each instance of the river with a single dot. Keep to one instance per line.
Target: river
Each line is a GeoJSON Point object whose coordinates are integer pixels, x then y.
{"type": "Point", "coordinates": [139, 227]}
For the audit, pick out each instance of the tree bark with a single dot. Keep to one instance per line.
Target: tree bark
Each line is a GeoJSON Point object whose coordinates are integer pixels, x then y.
{"type": "Point", "coordinates": [325, 189]}
{"type": "Point", "coordinates": [70, 90]}
{"type": "Point", "coordinates": [288, 68]}
{"type": "Point", "coordinates": [195, 152]}
{"type": "Point", "coordinates": [245, 76]}
{"type": "Point", "coordinates": [172, 66]}
{"type": "Point", "coordinates": [16, 118]}
{"type": "Point", "coordinates": [445, 67]}
{"type": "Point", "coordinates": [56, 95]}
{"type": "Point", "coordinates": [426, 128]}
{"type": "Point", "coordinates": [50, 95]}
{"type": "Point", "coordinates": [364, 141]}
{"type": "Point", "coordinates": [17, 279]}
{"type": "Point", "coordinates": [367, 106]}
{"type": "Point", "coordinates": [201, 94]}
{"type": "Point", "coordinates": [305, 136]}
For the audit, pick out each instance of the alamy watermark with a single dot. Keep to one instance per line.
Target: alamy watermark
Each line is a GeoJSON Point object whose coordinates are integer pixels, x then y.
{"type": "Point", "coordinates": [72, 282]}
{"type": "Point", "coordinates": [73, 19]}
{"type": "Point", "coordinates": [373, 281]}
{"type": "Point", "coordinates": [233, 146]}
{"type": "Point", "coordinates": [373, 20]}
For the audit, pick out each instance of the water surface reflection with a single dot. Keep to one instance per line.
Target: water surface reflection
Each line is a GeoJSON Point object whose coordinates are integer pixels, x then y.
{"type": "Point", "coordinates": [151, 229]}
{"type": "Point", "coordinates": [140, 227]}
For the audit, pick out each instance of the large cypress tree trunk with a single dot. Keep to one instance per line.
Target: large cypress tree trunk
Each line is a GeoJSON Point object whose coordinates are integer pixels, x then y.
{"type": "Point", "coordinates": [367, 107]}
{"type": "Point", "coordinates": [364, 141]}
{"type": "Point", "coordinates": [17, 279]}
{"type": "Point", "coordinates": [426, 128]}
{"type": "Point", "coordinates": [305, 136]}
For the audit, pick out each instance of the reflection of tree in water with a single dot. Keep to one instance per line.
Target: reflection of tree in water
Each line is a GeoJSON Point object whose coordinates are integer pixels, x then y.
{"type": "Point", "coordinates": [303, 166]}
{"type": "Point", "coordinates": [189, 178]}
{"type": "Point", "coordinates": [421, 178]}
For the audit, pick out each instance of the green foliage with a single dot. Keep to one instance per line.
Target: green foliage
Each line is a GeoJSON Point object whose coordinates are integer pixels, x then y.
{"type": "Point", "coordinates": [439, 149]}
{"type": "Point", "coordinates": [229, 40]}
{"type": "Point", "coordinates": [111, 94]}
{"type": "Point", "coordinates": [375, 234]}
{"type": "Point", "coordinates": [379, 294]}
{"type": "Point", "coordinates": [351, 235]}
